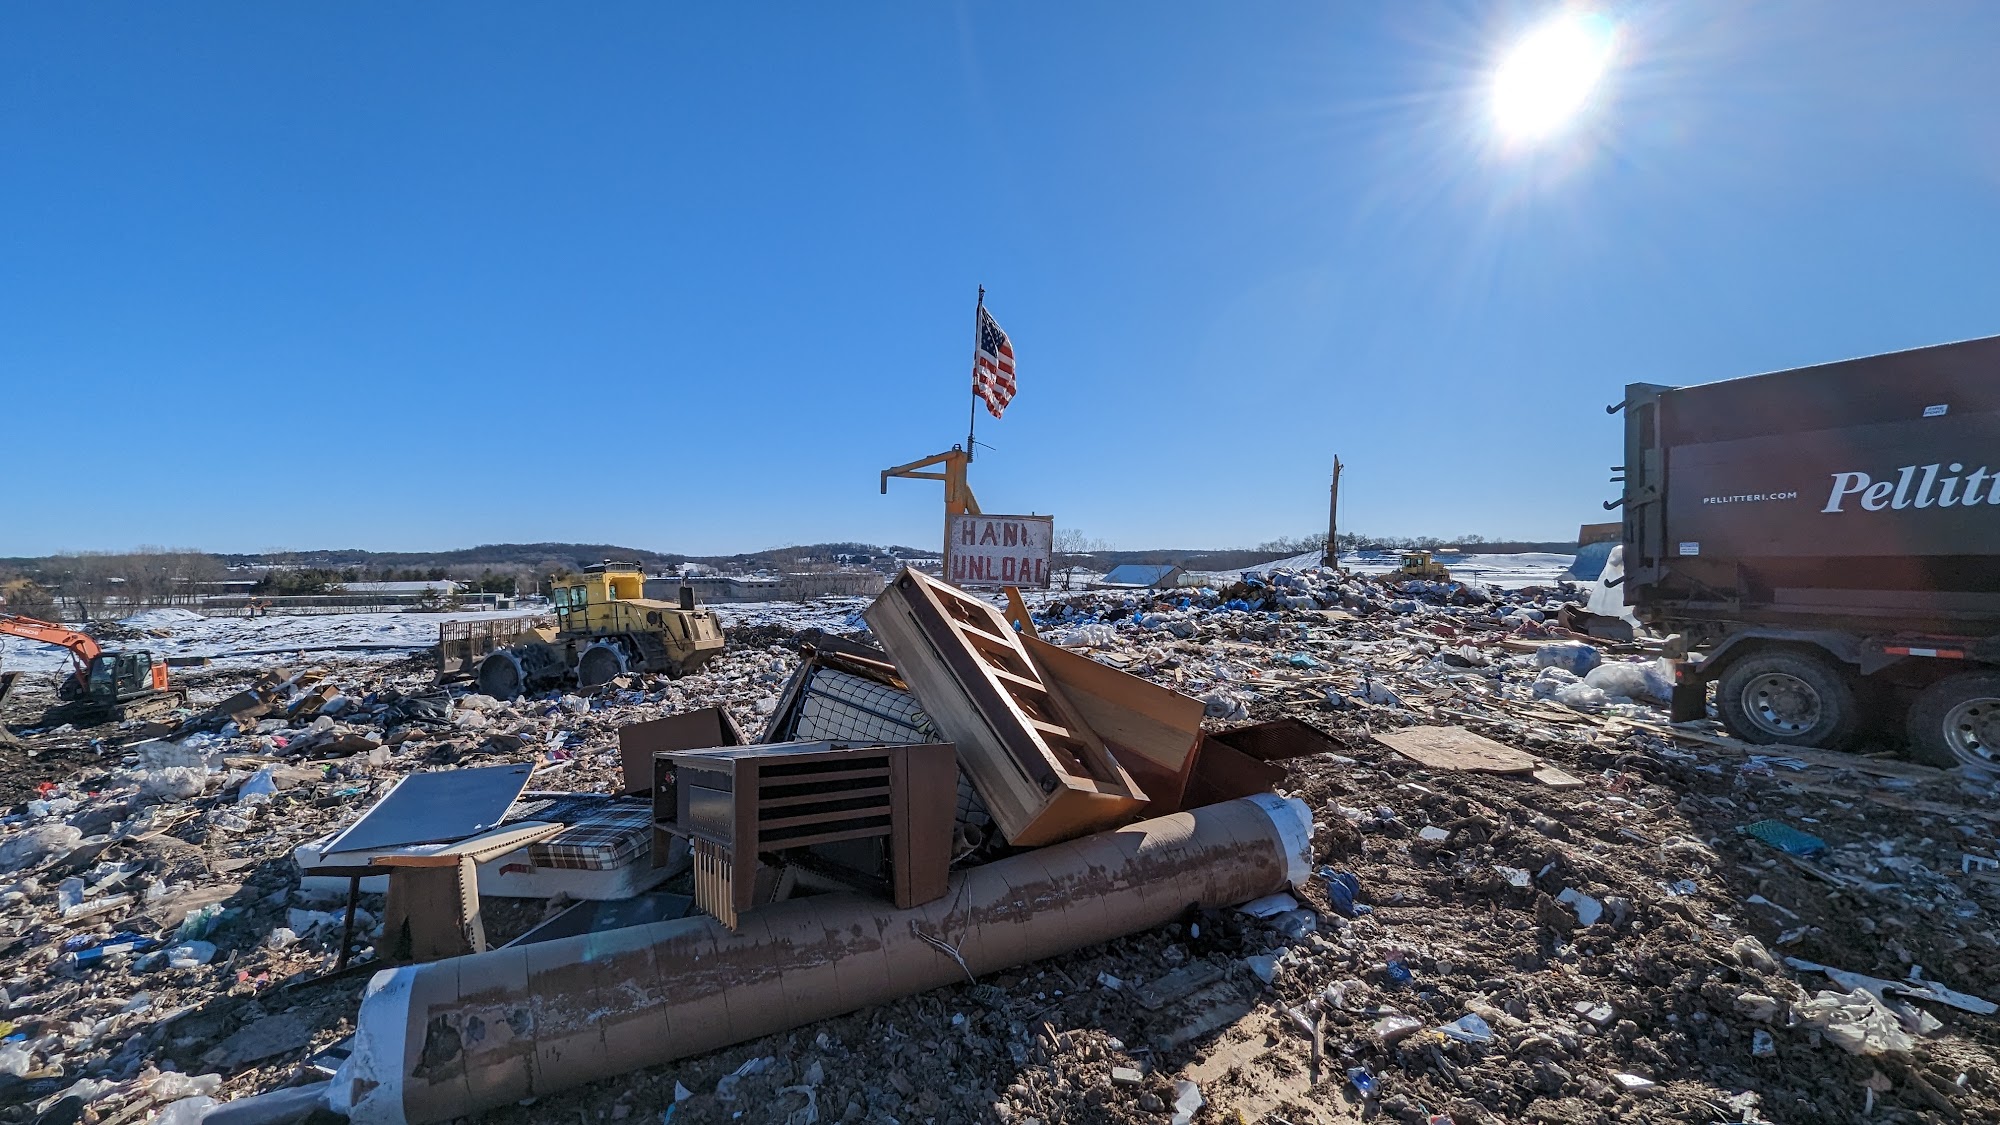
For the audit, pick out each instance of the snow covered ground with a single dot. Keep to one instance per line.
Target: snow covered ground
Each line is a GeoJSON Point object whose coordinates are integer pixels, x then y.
{"type": "Point", "coordinates": [180, 632]}
{"type": "Point", "coordinates": [389, 636]}
{"type": "Point", "coordinates": [1509, 572]}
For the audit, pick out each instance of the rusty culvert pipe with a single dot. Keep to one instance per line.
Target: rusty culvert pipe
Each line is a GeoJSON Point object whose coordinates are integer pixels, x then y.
{"type": "Point", "coordinates": [467, 1034]}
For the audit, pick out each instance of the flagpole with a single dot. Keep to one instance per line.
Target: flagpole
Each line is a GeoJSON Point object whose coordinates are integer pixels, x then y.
{"type": "Point", "coordinates": [972, 416]}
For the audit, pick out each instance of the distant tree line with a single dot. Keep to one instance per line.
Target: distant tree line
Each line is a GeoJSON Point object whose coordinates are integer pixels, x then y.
{"type": "Point", "coordinates": [1356, 541]}
{"type": "Point", "coordinates": [96, 581]}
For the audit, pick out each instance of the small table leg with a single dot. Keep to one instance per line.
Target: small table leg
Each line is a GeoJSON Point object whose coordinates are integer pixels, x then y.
{"type": "Point", "coordinates": [347, 928]}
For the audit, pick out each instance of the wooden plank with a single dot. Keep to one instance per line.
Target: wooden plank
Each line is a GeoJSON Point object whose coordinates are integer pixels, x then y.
{"type": "Point", "coordinates": [1557, 779]}
{"type": "Point", "coordinates": [1455, 748]}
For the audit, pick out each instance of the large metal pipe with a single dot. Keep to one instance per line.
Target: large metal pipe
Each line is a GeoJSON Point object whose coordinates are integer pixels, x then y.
{"type": "Point", "coordinates": [458, 1036]}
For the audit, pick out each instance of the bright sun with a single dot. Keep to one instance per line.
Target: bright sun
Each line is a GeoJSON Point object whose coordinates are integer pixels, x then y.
{"type": "Point", "coordinates": [1550, 74]}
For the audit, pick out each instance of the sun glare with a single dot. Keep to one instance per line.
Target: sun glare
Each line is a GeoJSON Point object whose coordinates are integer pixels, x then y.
{"type": "Point", "coordinates": [1547, 77]}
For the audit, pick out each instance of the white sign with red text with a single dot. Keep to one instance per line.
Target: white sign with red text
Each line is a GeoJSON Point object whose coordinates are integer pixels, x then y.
{"type": "Point", "coordinates": [992, 551]}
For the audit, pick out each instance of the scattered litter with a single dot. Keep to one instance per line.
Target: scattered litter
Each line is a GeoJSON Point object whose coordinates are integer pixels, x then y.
{"type": "Point", "coordinates": [1468, 1028]}
{"type": "Point", "coordinates": [1632, 1082]}
{"type": "Point", "coordinates": [1341, 889]}
{"type": "Point", "coordinates": [1393, 1029]}
{"type": "Point", "coordinates": [1587, 909]}
{"type": "Point", "coordinates": [1785, 838]}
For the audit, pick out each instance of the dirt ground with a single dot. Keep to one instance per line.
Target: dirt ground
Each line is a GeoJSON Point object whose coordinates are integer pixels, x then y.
{"type": "Point", "coordinates": [1672, 1004]}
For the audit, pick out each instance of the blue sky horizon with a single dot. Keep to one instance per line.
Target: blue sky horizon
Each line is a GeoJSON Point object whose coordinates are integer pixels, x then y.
{"type": "Point", "coordinates": [421, 278]}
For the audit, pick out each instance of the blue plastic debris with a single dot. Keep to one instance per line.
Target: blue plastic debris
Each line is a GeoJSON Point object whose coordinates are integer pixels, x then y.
{"type": "Point", "coordinates": [1785, 838]}
{"type": "Point", "coordinates": [1341, 887]}
{"type": "Point", "coordinates": [1363, 1082]}
{"type": "Point", "coordinates": [1301, 660]}
{"type": "Point", "coordinates": [1398, 972]}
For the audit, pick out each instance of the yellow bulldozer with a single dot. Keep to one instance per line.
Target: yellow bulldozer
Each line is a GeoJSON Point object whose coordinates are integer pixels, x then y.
{"type": "Point", "coordinates": [604, 627]}
{"type": "Point", "coordinates": [1418, 565]}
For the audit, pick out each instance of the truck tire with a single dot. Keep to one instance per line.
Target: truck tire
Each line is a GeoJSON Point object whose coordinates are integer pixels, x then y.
{"type": "Point", "coordinates": [1788, 698]}
{"type": "Point", "coordinates": [1956, 721]}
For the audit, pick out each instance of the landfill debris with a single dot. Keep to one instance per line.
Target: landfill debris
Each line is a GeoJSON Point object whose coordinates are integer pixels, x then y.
{"type": "Point", "coordinates": [1786, 838]}
{"type": "Point", "coordinates": [1588, 910]}
{"type": "Point", "coordinates": [1453, 930]}
{"type": "Point", "coordinates": [1468, 1028]}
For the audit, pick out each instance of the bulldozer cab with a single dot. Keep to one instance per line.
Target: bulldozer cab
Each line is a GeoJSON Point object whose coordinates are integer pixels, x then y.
{"type": "Point", "coordinates": [581, 599]}
{"type": "Point", "coordinates": [123, 675]}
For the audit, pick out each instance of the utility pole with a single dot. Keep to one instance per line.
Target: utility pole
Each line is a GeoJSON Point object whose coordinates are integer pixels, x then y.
{"type": "Point", "coordinates": [1332, 558]}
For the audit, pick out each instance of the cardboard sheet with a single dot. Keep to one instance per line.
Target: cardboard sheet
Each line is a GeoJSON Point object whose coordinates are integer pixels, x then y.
{"type": "Point", "coordinates": [703, 729]}
{"type": "Point", "coordinates": [1455, 748]}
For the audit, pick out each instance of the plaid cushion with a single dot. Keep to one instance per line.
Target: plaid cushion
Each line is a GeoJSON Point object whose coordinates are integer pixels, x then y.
{"type": "Point", "coordinates": [604, 833]}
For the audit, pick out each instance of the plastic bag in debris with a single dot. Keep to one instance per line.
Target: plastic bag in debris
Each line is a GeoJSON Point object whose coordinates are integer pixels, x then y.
{"type": "Point", "coordinates": [1224, 705]}
{"type": "Point", "coordinates": [1087, 635]}
{"type": "Point", "coordinates": [302, 922]}
{"type": "Point", "coordinates": [1581, 697]}
{"type": "Point", "coordinates": [173, 1086]}
{"type": "Point", "coordinates": [187, 1111]}
{"type": "Point", "coordinates": [159, 754]}
{"type": "Point", "coordinates": [1573, 657]}
{"type": "Point", "coordinates": [1550, 681]}
{"type": "Point", "coordinates": [36, 844]}
{"type": "Point", "coordinates": [15, 1060]}
{"type": "Point", "coordinates": [477, 702]}
{"type": "Point", "coordinates": [173, 783]}
{"type": "Point", "coordinates": [1378, 694]}
{"type": "Point", "coordinates": [1858, 1022]}
{"type": "Point", "coordinates": [431, 707]}
{"type": "Point", "coordinates": [190, 954]}
{"type": "Point", "coordinates": [1648, 680]}
{"type": "Point", "coordinates": [201, 923]}
{"type": "Point", "coordinates": [259, 789]}
{"type": "Point", "coordinates": [725, 1089]}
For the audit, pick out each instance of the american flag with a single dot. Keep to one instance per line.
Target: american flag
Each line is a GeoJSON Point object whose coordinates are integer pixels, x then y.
{"type": "Point", "coordinates": [993, 365]}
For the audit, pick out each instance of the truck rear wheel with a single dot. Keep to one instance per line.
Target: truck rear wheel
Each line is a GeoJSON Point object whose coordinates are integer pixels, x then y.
{"type": "Point", "coordinates": [1956, 721]}
{"type": "Point", "coordinates": [1788, 698]}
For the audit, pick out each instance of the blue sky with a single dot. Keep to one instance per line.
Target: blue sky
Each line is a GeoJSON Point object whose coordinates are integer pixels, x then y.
{"type": "Point", "coordinates": [686, 277]}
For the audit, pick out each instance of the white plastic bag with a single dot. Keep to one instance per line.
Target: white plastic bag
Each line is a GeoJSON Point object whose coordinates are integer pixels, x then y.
{"type": "Point", "coordinates": [259, 789]}
{"type": "Point", "coordinates": [1648, 680]}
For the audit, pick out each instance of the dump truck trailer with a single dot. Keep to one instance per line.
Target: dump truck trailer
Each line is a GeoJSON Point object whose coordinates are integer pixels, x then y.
{"type": "Point", "coordinates": [1825, 542]}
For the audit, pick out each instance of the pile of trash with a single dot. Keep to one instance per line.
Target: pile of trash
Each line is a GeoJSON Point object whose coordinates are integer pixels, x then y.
{"type": "Point", "coordinates": [1530, 899]}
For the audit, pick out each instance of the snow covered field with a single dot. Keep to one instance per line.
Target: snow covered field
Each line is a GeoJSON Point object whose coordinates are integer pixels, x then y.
{"type": "Point", "coordinates": [386, 636]}
{"type": "Point", "coordinates": [1508, 572]}
{"type": "Point", "coordinates": [180, 632]}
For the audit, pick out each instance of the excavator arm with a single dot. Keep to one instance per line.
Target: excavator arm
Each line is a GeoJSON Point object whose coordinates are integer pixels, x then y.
{"type": "Point", "coordinates": [81, 647]}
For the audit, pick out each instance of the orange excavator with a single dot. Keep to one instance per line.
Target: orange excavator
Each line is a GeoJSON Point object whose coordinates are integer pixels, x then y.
{"type": "Point", "coordinates": [102, 686]}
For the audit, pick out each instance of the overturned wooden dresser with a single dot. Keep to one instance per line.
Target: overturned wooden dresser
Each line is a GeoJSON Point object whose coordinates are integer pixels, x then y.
{"type": "Point", "coordinates": [1044, 773]}
{"type": "Point", "coordinates": [810, 802]}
